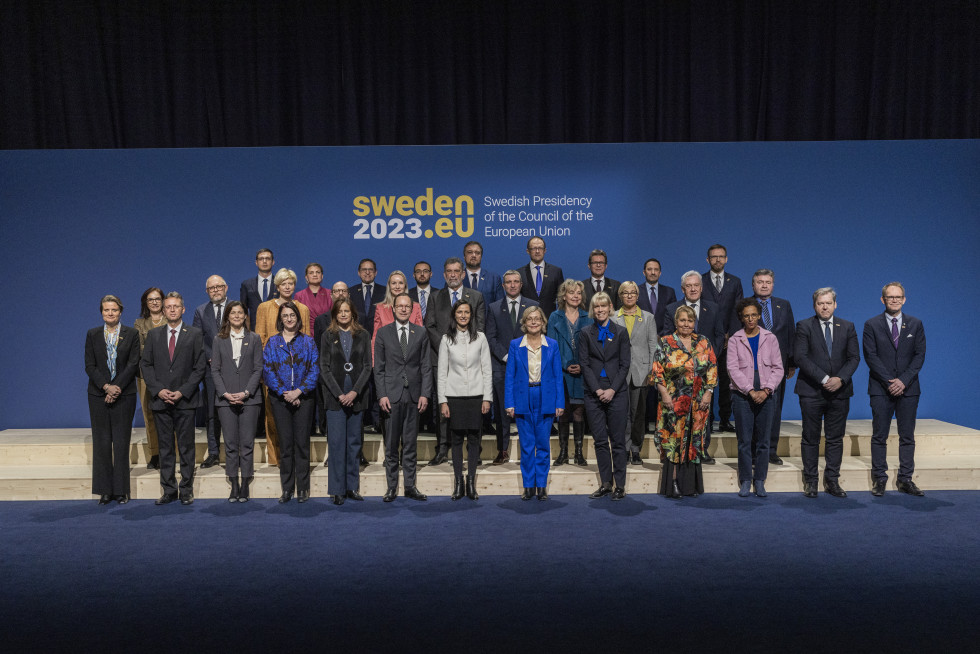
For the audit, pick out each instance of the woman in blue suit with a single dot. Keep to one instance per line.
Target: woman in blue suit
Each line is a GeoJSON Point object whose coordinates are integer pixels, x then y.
{"type": "Point", "coordinates": [564, 326]}
{"type": "Point", "coordinates": [534, 393]}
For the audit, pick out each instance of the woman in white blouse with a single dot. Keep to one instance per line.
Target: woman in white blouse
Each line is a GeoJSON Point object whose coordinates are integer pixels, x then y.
{"type": "Point", "coordinates": [236, 366]}
{"type": "Point", "coordinates": [464, 371]}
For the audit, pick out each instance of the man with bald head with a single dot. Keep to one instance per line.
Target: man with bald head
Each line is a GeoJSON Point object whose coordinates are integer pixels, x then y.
{"type": "Point", "coordinates": [207, 318]}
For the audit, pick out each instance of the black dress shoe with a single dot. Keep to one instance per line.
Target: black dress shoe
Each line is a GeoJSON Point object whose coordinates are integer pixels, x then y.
{"type": "Point", "coordinates": [878, 487]}
{"type": "Point", "coordinates": [635, 459]}
{"type": "Point", "coordinates": [602, 491]}
{"type": "Point", "coordinates": [104, 499]}
{"type": "Point", "coordinates": [354, 495]}
{"type": "Point", "coordinates": [122, 499]}
{"type": "Point", "coordinates": [285, 497]}
{"type": "Point", "coordinates": [413, 493]}
{"type": "Point", "coordinates": [153, 463]}
{"type": "Point", "coordinates": [775, 460]}
{"type": "Point", "coordinates": [165, 499]}
{"type": "Point", "coordinates": [726, 426]}
{"type": "Point", "coordinates": [707, 459]}
{"type": "Point", "coordinates": [502, 457]}
{"type": "Point", "coordinates": [674, 492]}
{"type": "Point", "coordinates": [363, 461]}
{"type": "Point", "coordinates": [542, 494]}
{"type": "Point", "coordinates": [438, 459]}
{"type": "Point", "coordinates": [209, 461]}
{"type": "Point", "coordinates": [810, 489]}
{"type": "Point", "coordinates": [303, 496]}
{"type": "Point", "coordinates": [833, 488]}
{"type": "Point", "coordinates": [187, 499]}
{"type": "Point", "coordinates": [618, 494]}
{"type": "Point", "coordinates": [528, 494]}
{"type": "Point", "coordinates": [390, 495]}
{"type": "Point", "coordinates": [338, 499]}
{"type": "Point", "coordinates": [471, 489]}
{"type": "Point", "coordinates": [909, 488]}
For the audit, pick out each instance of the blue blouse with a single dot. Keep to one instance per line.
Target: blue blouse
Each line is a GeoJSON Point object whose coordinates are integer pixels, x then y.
{"type": "Point", "coordinates": [292, 365]}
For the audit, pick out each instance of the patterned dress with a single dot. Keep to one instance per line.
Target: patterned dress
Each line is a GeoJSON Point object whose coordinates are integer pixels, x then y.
{"type": "Point", "coordinates": [681, 428]}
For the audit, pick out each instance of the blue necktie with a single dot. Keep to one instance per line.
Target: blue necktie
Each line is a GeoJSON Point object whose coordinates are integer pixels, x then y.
{"type": "Point", "coordinates": [455, 297]}
{"type": "Point", "coordinates": [537, 281]}
{"type": "Point", "coordinates": [766, 317]}
{"type": "Point", "coordinates": [422, 302]}
{"type": "Point", "coordinates": [653, 300]}
{"type": "Point", "coordinates": [265, 289]}
{"type": "Point", "coordinates": [827, 337]}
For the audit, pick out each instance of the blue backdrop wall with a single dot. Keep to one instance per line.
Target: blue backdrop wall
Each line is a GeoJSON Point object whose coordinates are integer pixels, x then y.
{"type": "Point", "coordinates": [852, 215]}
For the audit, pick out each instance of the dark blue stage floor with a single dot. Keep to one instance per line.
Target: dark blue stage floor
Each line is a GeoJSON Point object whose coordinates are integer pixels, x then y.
{"type": "Point", "coordinates": [572, 574]}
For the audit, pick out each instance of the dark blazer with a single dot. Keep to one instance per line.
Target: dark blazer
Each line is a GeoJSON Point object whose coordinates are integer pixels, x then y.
{"type": "Point", "coordinates": [204, 320]}
{"type": "Point", "coordinates": [414, 294]}
{"type": "Point", "coordinates": [551, 279]}
{"type": "Point", "coordinates": [500, 332]}
{"type": "Point", "coordinates": [396, 373]}
{"type": "Point", "coordinates": [731, 292]}
{"type": "Point", "coordinates": [665, 297]}
{"type": "Point", "coordinates": [783, 327]}
{"type": "Point", "coordinates": [517, 376]}
{"type": "Point", "coordinates": [97, 361]}
{"type": "Point", "coordinates": [320, 327]}
{"type": "Point", "coordinates": [183, 374]}
{"type": "Point", "coordinates": [710, 324]}
{"type": "Point", "coordinates": [366, 318]}
{"type": "Point", "coordinates": [814, 362]}
{"type": "Point", "coordinates": [489, 284]}
{"type": "Point", "coordinates": [614, 357]}
{"type": "Point", "coordinates": [229, 378]}
{"type": "Point", "coordinates": [610, 286]}
{"type": "Point", "coordinates": [885, 362]}
{"type": "Point", "coordinates": [249, 296]}
{"type": "Point", "coordinates": [439, 314]}
{"type": "Point", "coordinates": [332, 369]}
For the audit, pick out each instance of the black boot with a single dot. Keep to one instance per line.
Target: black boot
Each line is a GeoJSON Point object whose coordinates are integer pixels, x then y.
{"type": "Point", "coordinates": [243, 492]}
{"type": "Point", "coordinates": [458, 488]}
{"type": "Point", "coordinates": [562, 444]}
{"type": "Point", "coordinates": [471, 488]}
{"type": "Point", "coordinates": [578, 430]}
{"type": "Point", "coordinates": [233, 496]}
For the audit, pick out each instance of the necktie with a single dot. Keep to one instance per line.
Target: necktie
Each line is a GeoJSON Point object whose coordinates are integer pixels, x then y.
{"type": "Point", "coordinates": [827, 337]}
{"type": "Point", "coordinates": [895, 332]}
{"type": "Point", "coordinates": [265, 289]}
{"type": "Point", "coordinates": [473, 283]}
{"type": "Point", "coordinates": [217, 314]}
{"type": "Point", "coordinates": [718, 282]}
{"type": "Point", "coordinates": [697, 318]}
{"type": "Point", "coordinates": [422, 302]}
{"type": "Point", "coordinates": [766, 317]}
{"type": "Point", "coordinates": [598, 286]}
{"type": "Point", "coordinates": [173, 343]}
{"type": "Point", "coordinates": [653, 300]}
{"type": "Point", "coordinates": [404, 341]}
{"type": "Point", "coordinates": [455, 297]}
{"type": "Point", "coordinates": [513, 313]}
{"type": "Point", "coordinates": [367, 297]}
{"type": "Point", "coordinates": [537, 281]}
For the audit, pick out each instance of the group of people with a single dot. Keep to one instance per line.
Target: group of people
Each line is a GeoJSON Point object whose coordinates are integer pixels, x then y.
{"type": "Point", "coordinates": [528, 347]}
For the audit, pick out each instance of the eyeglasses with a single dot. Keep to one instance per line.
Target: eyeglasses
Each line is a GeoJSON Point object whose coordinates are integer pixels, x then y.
{"type": "Point", "coordinates": [217, 287]}
{"type": "Point", "coordinates": [894, 297]}
{"type": "Point", "coordinates": [630, 294]}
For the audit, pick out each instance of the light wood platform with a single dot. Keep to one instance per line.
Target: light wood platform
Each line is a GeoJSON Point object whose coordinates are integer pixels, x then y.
{"type": "Point", "coordinates": [46, 464]}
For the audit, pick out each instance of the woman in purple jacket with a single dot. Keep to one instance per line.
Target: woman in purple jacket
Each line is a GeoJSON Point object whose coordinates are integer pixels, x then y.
{"type": "Point", "coordinates": [755, 368]}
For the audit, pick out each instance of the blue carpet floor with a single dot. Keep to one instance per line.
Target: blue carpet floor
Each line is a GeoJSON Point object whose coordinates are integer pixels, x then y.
{"type": "Point", "coordinates": [572, 574]}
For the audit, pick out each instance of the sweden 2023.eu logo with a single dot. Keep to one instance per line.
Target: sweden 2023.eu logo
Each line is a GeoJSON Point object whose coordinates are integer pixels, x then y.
{"type": "Point", "coordinates": [426, 215]}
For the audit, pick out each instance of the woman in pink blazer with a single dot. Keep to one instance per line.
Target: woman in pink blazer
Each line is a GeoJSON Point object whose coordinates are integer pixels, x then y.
{"type": "Point", "coordinates": [755, 368]}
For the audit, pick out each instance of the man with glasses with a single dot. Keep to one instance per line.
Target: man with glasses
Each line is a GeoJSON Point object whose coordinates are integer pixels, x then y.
{"type": "Point", "coordinates": [207, 318]}
{"type": "Point", "coordinates": [724, 289]}
{"type": "Point", "coordinates": [477, 277]}
{"type": "Point", "coordinates": [367, 293]}
{"type": "Point", "coordinates": [540, 280]}
{"type": "Point", "coordinates": [598, 282]}
{"type": "Point", "coordinates": [256, 290]}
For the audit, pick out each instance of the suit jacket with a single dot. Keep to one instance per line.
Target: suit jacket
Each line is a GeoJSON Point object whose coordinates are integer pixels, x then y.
{"type": "Point", "coordinates": [231, 378]}
{"type": "Point", "coordinates": [517, 376]}
{"type": "Point", "coordinates": [439, 315]}
{"type": "Point", "coordinates": [665, 297]}
{"type": "Point", "coordinates": [551, 279]}
{"type": "Point", "coordinates": [885, 362]}
{"type": "Point", "coordinates": [784, 327]}
{"type": "Point", "coordinates": [489, 284]}
{"type": "Point", "coordinates": [249, 296]}
{"type": "Point", "coordinates": [610, 286]}
{"type": "Point", "coordinates": [731, 292]}
{"type": "Point", "coordinates": [332, 372]}
{"type": "Point", "coordinates": [500, 330]}
{"type": "Point", "coordinates": [613, 356]}
{"type": "Point", "coordinates": [710, 323]}
{"type": "Point", "coordinates": [414, 294]}
{"type": "Point", "coordinates": [182, 374]}
{"type": "Point", "coordinates": [644, 343]}
{"type": "Point", "coordinates": [97, 360]}
{"type": "Point", "coordinates": [366, 318]}
{"type": "Point", "coordinates": [396, 374]}
{"type": "Point", "coordinates": [811, 357]}
{"type": "Point", "coordinates": [204, 320]}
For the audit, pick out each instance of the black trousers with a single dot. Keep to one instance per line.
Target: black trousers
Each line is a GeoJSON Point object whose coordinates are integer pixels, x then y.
{"type": "Point", "coordinates": [176, 426]}
{"type": "Point", "coordinates": [213, 422]}
{"type": "Point", "coordinates": [831, 412]}
{"type": "Point", "coordinates": [904, 408]}
{"type": "Point", "coordinates": [777, 416]}
{"type": "Point", "coordinates": [723, 392]}
{"type": "Point", "coordinates": [403, 426]}
{"type": "Point", "coordinates": [112, 430]}
{"type": "Point", "coordinates": [502, 419]}
{"type": "Point", "coordinates": [608, 421]}
{"type": "Point", "coordinates": [293, 424]}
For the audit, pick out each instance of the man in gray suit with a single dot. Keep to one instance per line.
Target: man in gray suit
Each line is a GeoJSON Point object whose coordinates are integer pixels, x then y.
{"type": "Point", "coordinates": [403, 379]}
{"type": "Point", "coordinates": [207, 318]}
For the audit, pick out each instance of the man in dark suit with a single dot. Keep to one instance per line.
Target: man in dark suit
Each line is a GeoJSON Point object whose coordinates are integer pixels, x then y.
{"type": "Point", "coordinates": [488, 283]}
{"type": "Point", "coordinates": [207, 318]}
{"type": "Point", "coordinates": [423, 290]}
{"type": "Point", "coordinates": [540, 280]}
{"type": "Point", "coordinates": [256, 290]}
{"type": "Point", "coordinates": [827, 353]}
{"type": "Point", "coordinates": [367, 294]}
{"type": "Point", "coordinates": [709, 322]}
{"type": "Point", "coordinates": [654, 298]}
{"type": "Point", "coordinates": [894, 349]}
{"type": "Point", "coordinates": [503, 326]}
{"type": "Point", "coordinates": [173, 365]}
{"type": "Point", "coordinates": [777, 317]}
{"type": "Point", "coordinates": [438, 317]}
{"type": "Point", "coordinates": [724, 290]}
{"type": "Point", "coordinates": [403, 377]}
{"type": "Point", "coordinates": [598, 282]}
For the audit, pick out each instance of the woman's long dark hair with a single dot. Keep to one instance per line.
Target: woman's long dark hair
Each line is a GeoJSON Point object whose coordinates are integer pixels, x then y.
{"type": "Point", "coordinates": [144, 308]}
{"type": "Point", "coordinates": [355, 326]}
{"type": "Point", "coordinates": [470, 328]}
{"type": "Point", "coordinates": [225, 330]}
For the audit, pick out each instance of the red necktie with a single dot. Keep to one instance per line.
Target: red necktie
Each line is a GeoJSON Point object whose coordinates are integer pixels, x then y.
{"type": "Point", "coordinates": [173, 343]}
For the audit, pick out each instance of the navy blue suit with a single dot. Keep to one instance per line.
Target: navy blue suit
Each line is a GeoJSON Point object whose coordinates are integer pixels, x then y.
{"type": "Point", "coordinates": [366, 318]}
{"type": "Point", "coordinates": [488, 283]}
{"type": "Point", "coordinates": [665, 297]}
{"type": "Point", "coordinates": [710, 323]}
{"type": "Point", "coordinates": [885, 362]}
{"type": "Point", "coordinates": [551, 278]}
{"type": "Point", "coordinates": [731, 292]}
{"type": "Point", "coordinates": [500, 332]}
{"type": "Point", "coordinates": [784, 327]}
{"type": "Point", "coordinates": [251, 297]}
{"type": "Point", "coordinates": [205, 321]}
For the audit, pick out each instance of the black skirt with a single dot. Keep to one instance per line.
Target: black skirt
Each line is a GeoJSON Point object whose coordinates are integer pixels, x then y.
{"type": "Point", "coordinates": [689, 478]}
{"type": "Point", "coordinates": [465, 412]}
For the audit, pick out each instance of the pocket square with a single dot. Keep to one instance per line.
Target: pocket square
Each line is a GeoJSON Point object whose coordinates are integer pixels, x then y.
{"type": "Point", "coordinates": [908, 336]}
